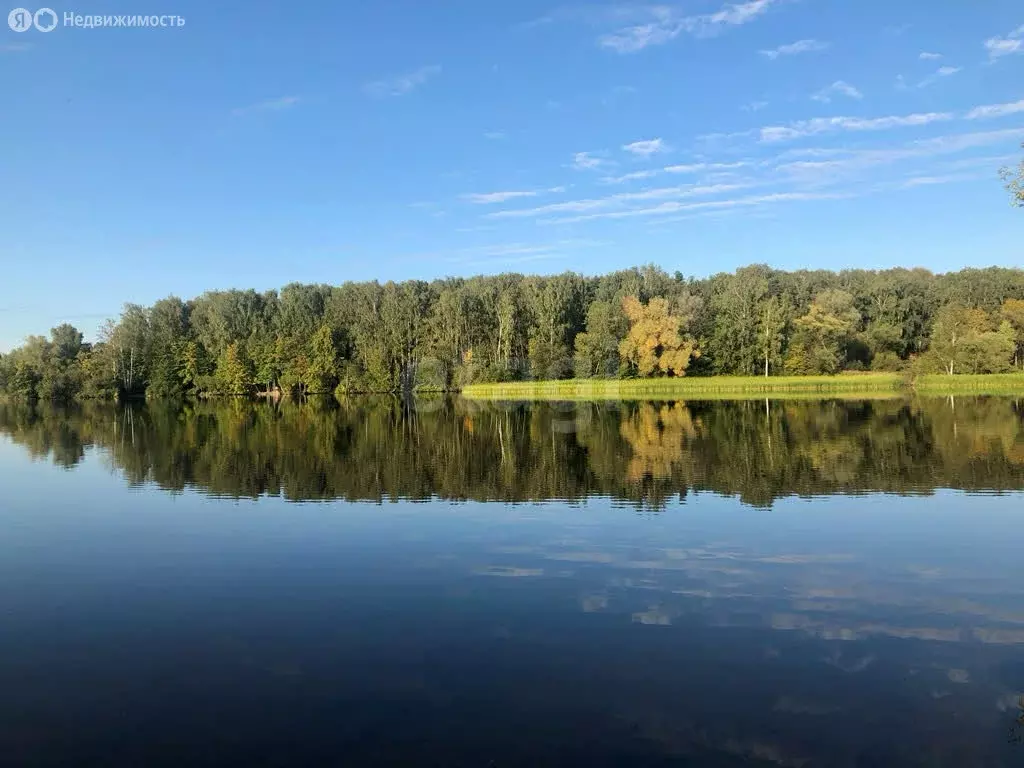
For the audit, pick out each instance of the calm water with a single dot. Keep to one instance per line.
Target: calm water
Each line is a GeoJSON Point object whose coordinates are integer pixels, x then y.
{"type": "Point", "coordinates": [460, 584]}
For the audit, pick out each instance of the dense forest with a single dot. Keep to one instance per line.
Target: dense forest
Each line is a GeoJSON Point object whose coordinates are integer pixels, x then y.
{"type": "Point", "coordinates": [645, 454]}
{"type": "Point", "coordinates": [444, 334]}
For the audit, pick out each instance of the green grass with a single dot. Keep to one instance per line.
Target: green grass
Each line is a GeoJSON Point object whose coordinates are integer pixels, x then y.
{"type": "Point", "coordinates": [981, 384]}
{"type": "Point", "coordinates": [857, 386]}
{"type": "Point", "coordinates": [709, 387]}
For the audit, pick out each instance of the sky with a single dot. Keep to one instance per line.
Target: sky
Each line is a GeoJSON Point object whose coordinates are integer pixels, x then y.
{"type": "Point", "coordinates": [265, 143]}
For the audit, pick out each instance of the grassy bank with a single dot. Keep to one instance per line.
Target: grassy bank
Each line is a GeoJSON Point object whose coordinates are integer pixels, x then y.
{"type": "Point", "coordinates": [865, 385]}
{"type": "Point", "coordinates": [728, 387]}
{"type": "Point", "coordinates": [987, 384]}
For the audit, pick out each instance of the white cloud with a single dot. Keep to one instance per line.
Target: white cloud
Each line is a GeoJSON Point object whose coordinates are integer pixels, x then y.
{"type": "Point", "coordinates": [1004, 46]}
{"type": "Point", "coordinates": [494, 135]}
{"type": "Point", "coordinates": [646, 148]}
{"type": "Point", "coordinates": [800, 46]}
{"type": "Point", "coordinates": [630, 176]}
{"type": "Point", "coordinates": [995, 110]}
{"type": "Point", "coordinates": [619, 200]}
{"type": "Point", "coordinates": [961, 141]}
{"type": "Point", "coordinates": [676, 207]}
{"type": "Point", "coordinates": [937, 74]}
{"type": "Point", "coordinates": [701, 167]}
{"type": "Point", "coordinates": [818, 125]}
{"type": "Point", "coordinates": [665, 24]}
{"type": "Point", "coordinates": [829, 164]}
{"type": "Point", "coordinates": [949, 178]}
{"type": "Point", "coordinates": [839, 87]}
{"type": "Point", "coordinates": [270, 105]}
{"type": "Point", "coordinates": [15, 47]}
{"type": "Point", "coordinates": [486, 198]}
{"type": "Point", "coordinates": [399, 85]}
{"type": "Point", "coordinates": [754, 106]}
{"type": "Point", "coordinates": [926, 56]}
{"type": "Point", "coordinates": [584, 161]}
{"type": "Point", "coordinates": [690, 168]}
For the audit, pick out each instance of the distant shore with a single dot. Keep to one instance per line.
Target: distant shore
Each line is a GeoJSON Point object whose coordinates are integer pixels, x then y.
{"type": "Point", "coordinates": [860, 385]}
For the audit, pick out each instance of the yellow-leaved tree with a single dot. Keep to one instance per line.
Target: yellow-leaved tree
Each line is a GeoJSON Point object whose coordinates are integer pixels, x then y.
{"type": "Point", "coordinates": [655, 342]}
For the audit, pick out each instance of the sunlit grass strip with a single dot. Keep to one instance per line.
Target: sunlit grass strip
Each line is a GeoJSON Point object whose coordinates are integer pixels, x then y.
{"type": "Point", "coordinates": [981, 384]}
{"type": "Point", "coordinates": [859, 385]}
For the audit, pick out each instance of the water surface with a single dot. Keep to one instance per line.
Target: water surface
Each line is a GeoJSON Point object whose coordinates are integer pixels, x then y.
{"type": "Point", "coordinates": [454, 583]}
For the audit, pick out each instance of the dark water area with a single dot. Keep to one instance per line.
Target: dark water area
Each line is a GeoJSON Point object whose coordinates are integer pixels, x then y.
{"type": "Point", "coordinates": [452, 583]}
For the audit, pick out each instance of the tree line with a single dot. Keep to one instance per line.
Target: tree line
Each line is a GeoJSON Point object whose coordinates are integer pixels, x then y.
{"type": "Point", "coordinates": [644, 454]}
{"type": "Point", "coordinates": [443, 334]}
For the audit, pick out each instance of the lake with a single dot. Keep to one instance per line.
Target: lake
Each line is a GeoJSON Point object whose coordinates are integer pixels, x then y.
{"type": "Point", "coordinates": [459, 583]}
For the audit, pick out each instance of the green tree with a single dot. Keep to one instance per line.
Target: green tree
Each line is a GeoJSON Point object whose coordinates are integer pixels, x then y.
{"type": "Point", "coordinates": [322, 374]}
{"type": "Point", "coordinates": [193, 366]}
{"type": "Point", "coordinates": [234, 371]}
{"type": "Point", "coordinates": [738, 307]}
{"type": "Point", "coordinates": [955, 335]}
{"type": "Point", "coordinates": [821, 335]}
{"type": "Point", "coordinates": [773, 317]}
{"type": "Point", "coordinates": [1012, 312]}
{"type": "Point", "coordinates": [597, 348]}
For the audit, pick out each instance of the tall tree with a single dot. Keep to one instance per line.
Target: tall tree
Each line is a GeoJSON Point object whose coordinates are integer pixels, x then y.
{"type": "Point", "coordinates": [322, 375]}
{"type": "Point", "coordinates": [655, 342]}
{"type": "Point", "coordinates": [822, 334]}
{"type": "Point", "coordinates": [1014, 178]}
{"type": "Point", "coordinates": [234, 371]}
{"type": "Point", "coordinates": [1012, 312]}
{"type": "Point", "coordinates": [737, 308]}
{"type": "Point", "coordinates": [597, 349]}
{"type": "Point", "coordinates": [956, 330]}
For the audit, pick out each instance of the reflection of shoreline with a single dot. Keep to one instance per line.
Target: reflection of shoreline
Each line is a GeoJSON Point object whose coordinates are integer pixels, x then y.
{"type": "Point", "coordinates": [637, 453]}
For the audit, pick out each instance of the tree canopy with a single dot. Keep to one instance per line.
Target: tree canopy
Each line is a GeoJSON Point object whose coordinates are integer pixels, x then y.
{"type": "Point", "coordinates": [443, 334]}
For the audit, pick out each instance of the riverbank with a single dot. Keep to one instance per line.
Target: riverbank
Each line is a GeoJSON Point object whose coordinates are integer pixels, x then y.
{"type": "Point", "coordinates": [860, 385]}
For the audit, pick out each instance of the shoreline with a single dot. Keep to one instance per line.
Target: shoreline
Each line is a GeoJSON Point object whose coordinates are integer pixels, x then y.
{"type": "Point", "coordinates": [852, 386]}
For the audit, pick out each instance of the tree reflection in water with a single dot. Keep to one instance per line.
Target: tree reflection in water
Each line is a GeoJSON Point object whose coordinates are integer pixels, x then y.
{"type": "Point", "coordinates": [644, 453]}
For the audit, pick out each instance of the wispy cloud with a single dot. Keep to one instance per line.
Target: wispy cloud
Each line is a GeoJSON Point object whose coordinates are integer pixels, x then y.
{"type": "Point", "coordinates": [619, 200]}
{"type": "Point", "coordinates": [634, 176]}
{"type": "Point", "coordinates": [949, 178]}
{"type": "Point", "coordinates": [938, 74]}
{"type": "Point", "coordinates": [830, 164]}
{"type": "Point", "coordinates": [928, 56]}
{"type": "Point", "coordinates": [800, 46]}
{"type": "Point", "coordinates": [15, 47]}
{"type": "Point", "coordinates": [995, 110]}
{"type": "Point", "coordinates": [754, 106]}
{"type": "Point", "coordinates": [494, 135]}
{"type": "Point", "coordinates": [819, 125]}
{"type": "Point", "coordinates": [840, 88]}
{"type": "Point", "coordinates": [674, 207]}
{"type": "Point", "coordinates": [998, 47]}
{"type": "Point", "coordinates": [646, 148]}
{"type": "Point", "coordinates": [704, 167]}
{"type": "Point", "coordinates": [585, 161]}
{"type": "Point", "coordinates": [399, 85]}
{"type": "Point", "coordinates": [665, 24]}
{"type": "Point", "coordinates": [692, 168]}
{"type": "Point", "coordinates": [269, 105]}
{"type": "Point", "coordinates": [486, 198]}
{"type": "Point", "coordinates": [513, 253]}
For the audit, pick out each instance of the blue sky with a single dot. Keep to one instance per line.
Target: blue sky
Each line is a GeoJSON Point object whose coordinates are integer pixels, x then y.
{"type": "Point", "coordinates": [264, 143]}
